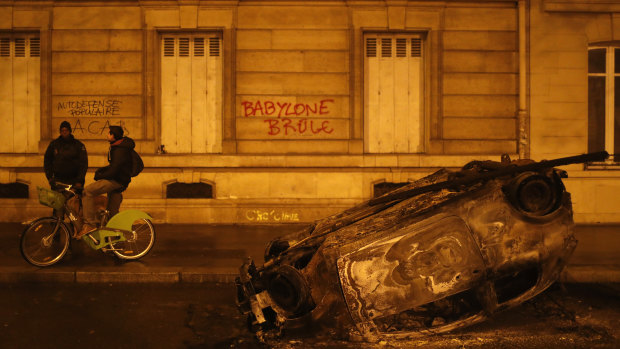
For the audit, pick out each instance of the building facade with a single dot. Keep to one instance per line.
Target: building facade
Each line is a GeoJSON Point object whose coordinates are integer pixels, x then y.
{"type": "Point", "coordinates": [272, 111]}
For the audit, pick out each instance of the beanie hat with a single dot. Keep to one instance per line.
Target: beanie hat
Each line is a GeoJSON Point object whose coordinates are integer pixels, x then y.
{"type": "Point", "coordinates": [65, 124]}
{"type": "Point", "coordinates": [117, 132]}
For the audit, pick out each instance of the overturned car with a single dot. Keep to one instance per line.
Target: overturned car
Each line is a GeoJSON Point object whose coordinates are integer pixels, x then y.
{"type": "Point", "coordinates": [438, 254]}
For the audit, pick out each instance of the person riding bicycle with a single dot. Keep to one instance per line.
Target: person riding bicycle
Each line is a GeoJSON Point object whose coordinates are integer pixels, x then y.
{"type": "Point", "coordinates": [112, 179]}
{"type": "Point", "coordinates": [65, 159]}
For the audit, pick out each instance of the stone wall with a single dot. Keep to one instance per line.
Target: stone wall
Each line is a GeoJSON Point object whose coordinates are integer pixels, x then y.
{"type": "Point", "coordinates": [303, 61]}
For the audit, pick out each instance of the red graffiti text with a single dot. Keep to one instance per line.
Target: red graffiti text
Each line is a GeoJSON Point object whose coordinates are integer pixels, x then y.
{"type": "Point", "coordinates": [280, 109]}
{"type": "Point", "coordinates": [301, 126]}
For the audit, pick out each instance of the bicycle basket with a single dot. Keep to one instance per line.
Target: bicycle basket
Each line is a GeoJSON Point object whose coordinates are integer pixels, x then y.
{"type": "Point", "coordinates": [51, 198]}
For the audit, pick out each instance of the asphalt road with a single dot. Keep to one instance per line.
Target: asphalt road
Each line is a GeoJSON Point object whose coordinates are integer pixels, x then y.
{"type": "Point", "coordinates": [203, 315]}
{"type": "Point", "coordinates": [100, 315]}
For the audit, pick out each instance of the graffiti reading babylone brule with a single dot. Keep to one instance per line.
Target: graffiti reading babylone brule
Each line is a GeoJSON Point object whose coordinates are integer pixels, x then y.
{"type": "Point", "coordinates": [279, 116]}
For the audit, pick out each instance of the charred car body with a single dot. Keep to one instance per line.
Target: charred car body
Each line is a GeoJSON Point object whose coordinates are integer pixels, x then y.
{"type": "Point", "coordinates": [438, 254]}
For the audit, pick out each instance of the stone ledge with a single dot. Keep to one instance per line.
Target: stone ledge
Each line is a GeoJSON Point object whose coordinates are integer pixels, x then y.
{"type": "Point", "coordinates": [572, 274]}
{"type": "Point", "coordinates": [230, 162]}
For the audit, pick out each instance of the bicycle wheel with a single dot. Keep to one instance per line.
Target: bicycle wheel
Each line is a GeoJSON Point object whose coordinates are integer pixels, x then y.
{"type": "Point", "coordinates": [139, 241]}
{"type": "Point", "coordinates": [42, 247]}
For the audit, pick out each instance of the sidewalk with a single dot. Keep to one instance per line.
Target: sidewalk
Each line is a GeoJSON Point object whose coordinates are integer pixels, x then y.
{"type": "Point", "coordinates": [214, 253]}
{"type": "Point", "coordinates": [182, 253]}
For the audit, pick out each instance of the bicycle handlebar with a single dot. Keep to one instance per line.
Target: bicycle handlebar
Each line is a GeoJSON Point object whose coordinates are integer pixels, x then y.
{"type": "Point", "coordinates": [66, 187]}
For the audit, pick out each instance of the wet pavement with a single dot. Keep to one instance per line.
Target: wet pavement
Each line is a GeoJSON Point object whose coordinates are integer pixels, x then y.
{"type": "Point", "coordinates": [568, 315]}
{"type": "Point", "coordinates": [181, 253]}
{"type": "Point", "coordinates": [204, 315]}
{"type": "Point", "coordinates": [214, 253]}
{"type": "Point", "coordinates": [583, 315]}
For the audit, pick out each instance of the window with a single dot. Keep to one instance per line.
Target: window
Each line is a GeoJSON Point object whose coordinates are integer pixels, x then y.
{"type": "Point", "coordinates": [604, 99]}
{"type": "Point", "coordinates": [15, 190]}
{"type": "Point", "coordinates": [191, 84]}
{"type": "Point", "coordinates": [199, 190]}
{"type": "Point", "coordinates": [381, 188]}
{"type": "Point", "coordinates": [393, 80]}
{"type": "Point", "coordinates": [20, 56]}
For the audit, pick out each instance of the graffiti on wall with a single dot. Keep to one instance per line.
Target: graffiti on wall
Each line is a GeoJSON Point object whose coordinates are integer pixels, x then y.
{"type": "Point", "coordinates": [271, 216]}
{"type": "Point", "coordinates": [91, 116]}
{"type": "Point", "coordinates": [96, 107]}
{"type": "Point", "coordinates": [288, 118]}
{"type": "Point", "coordinates": [95, 127]}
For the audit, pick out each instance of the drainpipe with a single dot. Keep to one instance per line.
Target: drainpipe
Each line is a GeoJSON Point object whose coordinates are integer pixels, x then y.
{"type": "Point", "coordinates": [523, 118]}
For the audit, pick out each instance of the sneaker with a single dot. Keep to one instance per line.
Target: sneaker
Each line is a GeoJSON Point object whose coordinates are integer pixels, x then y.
{"type": "Point", "coordinates": [86, 228]}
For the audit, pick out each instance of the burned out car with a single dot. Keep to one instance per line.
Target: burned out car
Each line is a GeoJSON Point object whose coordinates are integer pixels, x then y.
{"type": "Point", "coordinates": [437, 254]}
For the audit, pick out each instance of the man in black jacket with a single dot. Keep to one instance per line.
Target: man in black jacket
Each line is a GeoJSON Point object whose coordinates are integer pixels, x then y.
{"type": "Point", "coordinates": [112, 179]}
{"type": "Point", "coordinates": [65, 159]}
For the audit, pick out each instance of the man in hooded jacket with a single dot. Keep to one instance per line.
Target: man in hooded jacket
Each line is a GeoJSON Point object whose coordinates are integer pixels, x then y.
{"type": "Point", "coordinates": [65, 159]}
{"type": "Point", "coordinates": [111, 180]}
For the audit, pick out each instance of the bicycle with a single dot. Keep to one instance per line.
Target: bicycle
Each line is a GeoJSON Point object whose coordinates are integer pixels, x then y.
{"type": "Point", "coordinates": [128, 234]}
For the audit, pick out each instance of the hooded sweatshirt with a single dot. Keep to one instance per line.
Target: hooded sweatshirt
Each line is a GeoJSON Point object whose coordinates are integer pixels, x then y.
{"type": "Point", "coordinates": [120, 162]}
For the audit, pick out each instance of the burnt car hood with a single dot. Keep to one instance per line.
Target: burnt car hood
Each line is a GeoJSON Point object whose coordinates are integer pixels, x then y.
{"type": "Point", "coordinates": [429, 262]}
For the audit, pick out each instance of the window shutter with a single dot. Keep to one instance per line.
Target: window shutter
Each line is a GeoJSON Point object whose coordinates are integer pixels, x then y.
{"type": "Point", "coordinates": [416, 47]}
{"type": "Point", "coordinates": [386, 47]}
{"type": "Point", "coordinates": [184, 47]}
{"type": "Point", "coordinates": [168, 47]}
{"type": "Point", "coordinates": [214, 47]}
{"type": "Point", "coordinates": [5, 47]}
{"type": "Point", "coordinates": [20, 47]}
{"type": "Point", "coordinates": [191, 90]}
{"type": "Point", "coordinates": [371, 47]}
{"type": "Point", "coordinates": [401, 47]}
{"type": "Point", "coordinates": [35, 47]}
{"type": "Point", "coordinates": [199, 47]}
{"type": "Point", "coordinates": [393, 90]}
{"type": "Point", "coordinates": [19, 91]}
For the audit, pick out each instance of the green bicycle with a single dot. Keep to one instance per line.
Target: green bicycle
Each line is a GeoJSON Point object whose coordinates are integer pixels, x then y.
{"type": "Point", "coordinates": [45, 241]}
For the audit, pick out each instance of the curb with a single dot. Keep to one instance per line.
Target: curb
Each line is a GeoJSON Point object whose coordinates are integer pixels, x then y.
{"type": "Point", "coordinates": [18, 274]}
{"type": "Point", "coordinates": [591, 274]}
{"type": "Point", "coordinates": [572, 274]}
